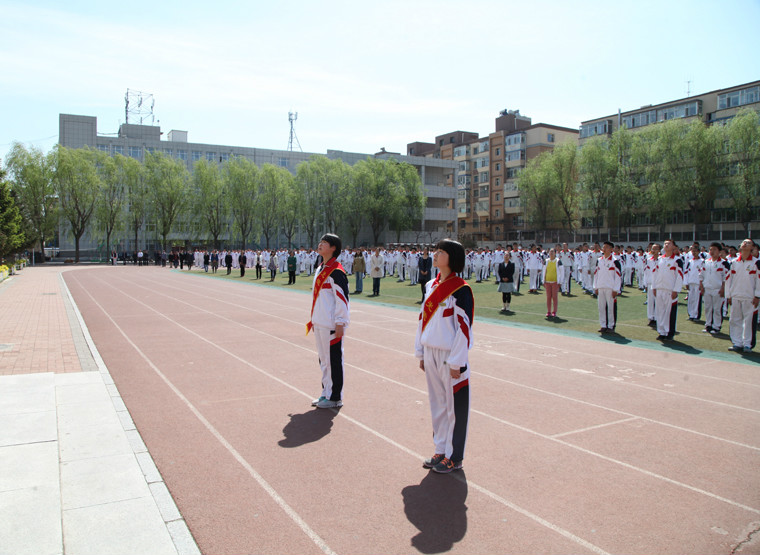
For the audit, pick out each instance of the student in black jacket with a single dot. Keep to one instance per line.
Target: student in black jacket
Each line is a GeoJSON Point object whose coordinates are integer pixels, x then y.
{"type": "Point", "coordinates": [425, 268]}
{"type": "Point", "coordinates": [506, 273]}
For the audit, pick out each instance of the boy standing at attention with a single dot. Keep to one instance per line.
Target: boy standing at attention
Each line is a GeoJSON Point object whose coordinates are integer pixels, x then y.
{"type": "Point", "coordinates": [607, 283]}
{"type": "Point", "coordinates": [329, 319]}
{"type": "Point", "coordinates": [444, 337]}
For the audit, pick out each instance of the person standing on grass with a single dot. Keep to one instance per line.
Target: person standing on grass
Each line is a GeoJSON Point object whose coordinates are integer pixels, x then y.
{"type": "Point", "coordinates": [712, 287]}
{"type": "Point", "coordinates": [425, 271]}
{"type": "Point", "coordinates": [444, 337]}
{"type": "Point", "coordinates": [292, 265]}
{"type": "Point", "coordinates": [329, 319]}
{"type": "Point", "coordinates": [743, 294]}
{"type": "Point", "coordinates": [552, 274]}
{"type": "Point", "coordinates": [667, 282]}
{"type": "Point", "coordinates": [359, 269]}
{"type": "Point", "coordinates": [272, 266]}
{"type": "Point", "coordinates": [242, 260]}
{"type": "Point", "coordinates": [607, 280]}
{"type": "Point", "coordinates": [505, 273]}
{"type": "Point", "coordinates": [376, 263]}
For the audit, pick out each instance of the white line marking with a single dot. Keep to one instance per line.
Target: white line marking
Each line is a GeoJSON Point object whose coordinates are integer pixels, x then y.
{"type": "Point", "coordinates": [597, 427]}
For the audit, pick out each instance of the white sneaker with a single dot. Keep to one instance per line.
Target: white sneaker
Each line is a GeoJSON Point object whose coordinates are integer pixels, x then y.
{"type": "Point", "coordinates": [315, 402]}
{"type": "Point", "coordinates": [328, 404]}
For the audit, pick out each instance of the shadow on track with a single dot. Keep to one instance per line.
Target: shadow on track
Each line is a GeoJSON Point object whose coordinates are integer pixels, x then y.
{"type": "Point", "coordinates": [437, 508]}
{"type": "Point", "coordinates": [307, 427]}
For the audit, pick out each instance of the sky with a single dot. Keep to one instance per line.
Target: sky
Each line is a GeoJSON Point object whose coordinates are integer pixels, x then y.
{"type": "Point", "coordinates": [361, 75]}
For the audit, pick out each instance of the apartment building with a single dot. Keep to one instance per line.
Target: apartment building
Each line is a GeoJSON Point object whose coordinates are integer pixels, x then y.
{"type": "Point", "coordinates": [488, 203]}
{"type": "Point", "coordinates": [715, 106]}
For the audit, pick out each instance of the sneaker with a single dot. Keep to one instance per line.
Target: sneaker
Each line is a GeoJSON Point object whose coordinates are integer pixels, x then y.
{"type": "Point", "coordinates": [713, 331]}
{"type": "Point", "coordinates": [328, 404]}
{"type": "Point", "coordinates": [747, 349]}
{"type": "Point", "coordinates": [706, 330]}
{"type": "Point", "coordinates": [444, 466]}
{"type": "Point", "coordinates": [434, 460]}
{"type": "Point", "coordinates": [735, 349]}
{"type": "Point", "coordinates": [315, 402]}
{"type": "Point", "coordinates": [548, 314]}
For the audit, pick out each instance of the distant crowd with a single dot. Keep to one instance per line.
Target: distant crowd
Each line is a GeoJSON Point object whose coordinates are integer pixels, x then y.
{"type": "Point", "coordinates": [721, 280]}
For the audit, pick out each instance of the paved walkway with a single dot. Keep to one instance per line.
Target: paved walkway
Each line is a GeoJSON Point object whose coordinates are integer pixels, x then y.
{"type": "Point", "coordinates": [75, 475]}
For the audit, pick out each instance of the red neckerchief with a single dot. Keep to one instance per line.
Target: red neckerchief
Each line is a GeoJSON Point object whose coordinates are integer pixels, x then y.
{"type": "Point", "coordinates": [319, 282]}
{"type": "Point", "coordinates": [441, 291]}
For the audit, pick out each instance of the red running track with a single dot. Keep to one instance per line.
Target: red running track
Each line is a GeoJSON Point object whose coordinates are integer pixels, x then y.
{"type": "Point", "coordinates": [575, 445]}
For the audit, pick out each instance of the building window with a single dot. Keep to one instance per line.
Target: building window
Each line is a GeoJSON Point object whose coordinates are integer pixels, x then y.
{"type": "Point", "coordinates": [498, 181]}
{"type": "Point", "coordinates": [484, 177]}
{"type": "Point", "coordinates": [498, 151]}
{"type": "Point", "coordinates": [440, 143]}
{"type": "Point", "coordinates": [515, 155]}
{"type": "Point", "coordinates": [118, 149]}
{"type": "Point", "coordinates": [182, 154]}
{"type": "Point", "coordinates": [498, 212]}
{"type": "Point", "coordinates": [550, 137]}
{"type": "Point", "coordinates": [103, 148]}
{"type": "Point", "coordinates": [135, 151]}
{"type": "Point", "coordinates": [741, 97]}
{"type": "Point", "coordinates": [168, 152]}
{"type": "Point", "coordinates": [282, 162]}
{"type": "Point", "coordinates": [211, 156]}
{"type": "Point", "coordinates": [498, 166]}
{"type": "Point", "coordinates": [484, 146]}
{"type": "Point", "coordinates": [497, 197]}
{"type": "Point", "coordinates": [460, 151]}
{"type": "Point", "coordinates": [224, 156]}
{"type": "Point", "coordinates": [197, 155]}
{"type": "Point", "coordinates": [597, 128]}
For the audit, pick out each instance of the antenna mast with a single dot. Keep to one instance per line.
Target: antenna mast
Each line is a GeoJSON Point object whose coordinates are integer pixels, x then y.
{"type": "Point", "coordinates": [292, 117]}
{"type": "Point", "coordinates": [138, 108]}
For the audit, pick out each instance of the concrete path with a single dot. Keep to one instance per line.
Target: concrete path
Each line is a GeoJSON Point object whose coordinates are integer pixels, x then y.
{"type": "Point", "coordinates": [75, 475]}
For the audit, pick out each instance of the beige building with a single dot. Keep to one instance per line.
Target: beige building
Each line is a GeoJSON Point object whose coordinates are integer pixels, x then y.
{"type": "Point", "coordinates": [488, 204]}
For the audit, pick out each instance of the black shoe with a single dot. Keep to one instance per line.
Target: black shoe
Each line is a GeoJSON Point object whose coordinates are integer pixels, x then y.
{"type": "Point", "coordinates": [652, 323]}
{"type": "Point", "coordinates": [434, 460]}
{"type": "Point", "coordinates": [662, 337]}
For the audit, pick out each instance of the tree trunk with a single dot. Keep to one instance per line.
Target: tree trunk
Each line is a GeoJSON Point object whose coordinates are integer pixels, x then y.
{"type": "Point", "coordinates": [42, 251]}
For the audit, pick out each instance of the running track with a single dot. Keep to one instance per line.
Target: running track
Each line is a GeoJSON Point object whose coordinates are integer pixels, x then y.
{"type": "Point", "coordinates": [575, 446]}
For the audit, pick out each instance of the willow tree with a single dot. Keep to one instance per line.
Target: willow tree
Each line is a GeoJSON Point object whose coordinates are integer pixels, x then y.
{"type": "Point", "coordinates": [241, 181]}
{"type": "Point", "coordinates": [31, 180]}
{"type": "Point", "coordinates": [11, 223]}
{"type": "Point", "coordinates": [743, 180]}
{"type": "Point", "coordinates": [112, 200]}
{"type": "Point", "coordinates": [597, 169]}
{"type": "Point", "coordinates": [167, 181]}
{"type": "Point", "coordinates": [536, 192]}
{"type": "Point", "coordinates": [408, 199]}
{"type": "Point", "coordinates": [78, 187]}
{"type": "Point", "coordinates": [210, 200]}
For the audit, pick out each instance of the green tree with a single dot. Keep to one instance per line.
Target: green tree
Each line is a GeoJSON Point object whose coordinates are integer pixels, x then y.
{"type": "Point", "coordinates": [743, 176]}
{"type": "Point", "coordinates": [354, 193]}
{"type": "Point", "coordinates": [138, 199]}
{"type": "Point", "coordinates": [307, 182]}
{"type": "Point", "coordinates": [597, 169]}
{"type": "Point", "coordinates": [380, 190]}
{"type": "Point", "coordinates": [11, 223]}
{"type": "Point", "coordinates": [210, 199]}
{"type": "Point", "coordinates": [241, 180]}
{"type": "Point", "coordinates": [625, 197]}
{"type": "Point", "coordinates": [291, 204]}
{"type": "Point", "coordinates": [167, 180]}
{"type": "Point", "coordinates": [408, 200]}
{"type": "Point", "coordinates": [78, 186]}
{"type": "Point", "coordinates": [268, 207]}
{"type": "Point", "coordinates": [563, 168]}
{"type": "Point", "coordinates": [537, 192]}
{"type": "Point", "coordinates": [111, 203]}
{"type": "Point", "coordinates": [646, 163]}
{"type": "Point", "coordinates": [31, 174]}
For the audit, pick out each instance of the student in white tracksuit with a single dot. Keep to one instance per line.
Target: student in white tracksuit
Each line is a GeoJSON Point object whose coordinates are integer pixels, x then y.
{"type": "Point", "coordinates": [743, 294]}
{"type": "Point", "coordinates": [329, 320]}
{"type": "Point", "coordinates": [667, 282]}
{"type": "Point", "coordinates": [444, 337]}
{"type": "Point", "coordinates": [606, 284]}
{"type": "Point", "coordinates": [712, 285]}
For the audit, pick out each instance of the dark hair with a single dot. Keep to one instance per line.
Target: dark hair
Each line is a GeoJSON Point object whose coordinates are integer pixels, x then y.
{"type": "Point", "coordinates": [610, 244]}
{"type": "Point", "coordinates": [455, 250]}
{"type": "Point", "coordinates": [717, 246]}
{"type": "Point", "coordinates": [334, 241]}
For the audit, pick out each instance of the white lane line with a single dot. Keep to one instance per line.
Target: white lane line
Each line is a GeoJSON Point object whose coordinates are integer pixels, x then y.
{"type": "Point", "coordinates": [597, 427]}
{"type": "Point", "coordinates": [502, 339]}
{"type": "Point", "coordinates": [408, 354]}
{"type": "Point", "coordinates": [294, 516]}
{"type": "Point", "coordinates": [304, 526]}
{"type": "Point", "coordinates": [474, 411]}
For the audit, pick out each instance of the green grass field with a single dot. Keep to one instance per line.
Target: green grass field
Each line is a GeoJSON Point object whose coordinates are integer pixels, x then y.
{"type": "Point", "coordinates": [577, 314]}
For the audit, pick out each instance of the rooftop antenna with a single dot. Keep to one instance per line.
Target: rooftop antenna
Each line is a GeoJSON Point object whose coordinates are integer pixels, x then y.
{"type": "Point", "coordinates": [138, 108]}
{"type": "Point", "coordinates": [688, 88]}
{"type": "Point", "coordinates": [292, 117]}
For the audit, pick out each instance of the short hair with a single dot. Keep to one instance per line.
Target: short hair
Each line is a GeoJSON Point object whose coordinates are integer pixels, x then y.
{"type": "Point", "coordinates": [334, 241]}
{"type": "Point", "coordinates": [716, 245]}
{"type": "Point", "coordinates": [455, 250]}
{"type": "Point", "coordinates": [609, 243]}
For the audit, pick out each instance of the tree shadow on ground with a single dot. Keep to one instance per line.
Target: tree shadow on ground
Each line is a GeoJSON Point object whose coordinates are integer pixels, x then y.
{"type": "Point", "coordinates": [437, 509]}
{"type": "Point", "coordinates": [307, 427]}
